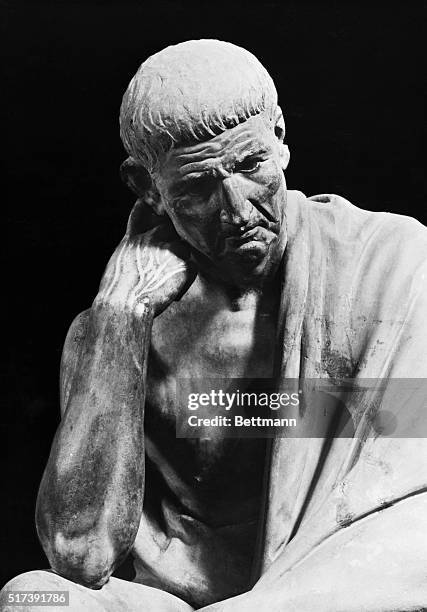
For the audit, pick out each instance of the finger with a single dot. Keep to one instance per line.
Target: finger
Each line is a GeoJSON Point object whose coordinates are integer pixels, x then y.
{"type": "Point", "coordinates": [190, 278]}
{"type": "Point", "coordinates": [165, 231]}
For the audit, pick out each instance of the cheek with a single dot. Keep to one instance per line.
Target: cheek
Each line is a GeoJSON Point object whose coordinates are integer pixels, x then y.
{"type": "Point", "coordinates": [196, 227]}
{"type": "Point", "coordinates": [268, 184]}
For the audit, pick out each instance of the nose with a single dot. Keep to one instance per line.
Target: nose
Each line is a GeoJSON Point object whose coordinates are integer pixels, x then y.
{"type": "Point", "coordinates": [236, 209]}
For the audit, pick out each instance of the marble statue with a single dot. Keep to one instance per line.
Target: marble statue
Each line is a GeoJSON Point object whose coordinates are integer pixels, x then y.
{"type": "Point", "coordinates": [224, 273]}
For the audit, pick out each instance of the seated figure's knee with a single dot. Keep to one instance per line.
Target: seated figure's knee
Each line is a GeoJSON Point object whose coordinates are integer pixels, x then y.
{"type": "Point", "coordinates": [116, 595]}
{"type": "Point", "coordinates": [80, 598]}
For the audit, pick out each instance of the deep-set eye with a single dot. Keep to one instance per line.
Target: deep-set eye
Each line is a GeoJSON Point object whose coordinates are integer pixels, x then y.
{"type": "Point", "coordinates": [200, 186]}
{"type": "Point", "coordinates": [248, 165]}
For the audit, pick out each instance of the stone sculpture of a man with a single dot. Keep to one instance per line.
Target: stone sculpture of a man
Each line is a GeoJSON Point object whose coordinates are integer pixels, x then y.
{"type": "Point", "coordinates": [225, 274]}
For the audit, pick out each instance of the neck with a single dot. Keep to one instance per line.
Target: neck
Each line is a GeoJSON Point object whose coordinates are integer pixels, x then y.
{"type": "Point", "coordinates": [239, 291]}
{"type": "Point", "coordinates": [239, 280]}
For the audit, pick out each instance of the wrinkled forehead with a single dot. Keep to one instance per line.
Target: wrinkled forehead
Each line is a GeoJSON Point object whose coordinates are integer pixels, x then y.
{"type": "Point", "coordinates": [255, 135]}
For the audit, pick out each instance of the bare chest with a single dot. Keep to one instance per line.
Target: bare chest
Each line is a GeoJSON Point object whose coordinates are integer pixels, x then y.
{"type": "Point", "coordinates": [201, 339]}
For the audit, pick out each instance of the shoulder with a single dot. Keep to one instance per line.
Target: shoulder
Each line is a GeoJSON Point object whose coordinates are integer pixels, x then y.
{"type": "Point", "coordinates": [404, 234]}
{"type": "Point", "coordinates": [330, 203]}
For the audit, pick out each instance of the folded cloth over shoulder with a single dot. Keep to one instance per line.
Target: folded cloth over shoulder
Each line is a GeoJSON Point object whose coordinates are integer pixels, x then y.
{"type": "Point", "coordinates": [354, 306]}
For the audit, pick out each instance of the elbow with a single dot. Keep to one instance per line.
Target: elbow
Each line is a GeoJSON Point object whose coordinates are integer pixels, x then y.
{"type": "Point", "coordinates": [81, 545]}
{"type": "Point", "coordinates": [80, 553]}
{"type": "Point", "coordinates": [83, 560]}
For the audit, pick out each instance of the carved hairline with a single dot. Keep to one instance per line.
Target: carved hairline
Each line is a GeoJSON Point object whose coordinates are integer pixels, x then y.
{"type": "Point", "coordinates": [184, 95]}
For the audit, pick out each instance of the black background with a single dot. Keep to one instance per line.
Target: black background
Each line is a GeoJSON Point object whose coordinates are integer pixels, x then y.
{"type": "Point", "coordinates": [350, 81]}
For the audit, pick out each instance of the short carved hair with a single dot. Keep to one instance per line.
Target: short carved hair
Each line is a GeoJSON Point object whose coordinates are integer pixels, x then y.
{"type": "Point", "coordinates": [191, 92]}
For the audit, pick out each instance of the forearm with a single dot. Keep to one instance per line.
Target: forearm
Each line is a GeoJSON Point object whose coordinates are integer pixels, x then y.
{"type": "Point", "coordinates": [91, 495]}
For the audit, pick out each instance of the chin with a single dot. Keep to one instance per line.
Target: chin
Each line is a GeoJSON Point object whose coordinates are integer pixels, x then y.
{"type": "Point", "coordinates": [247, 271]}
{"type": "Point", "coordinates": [248, 259]}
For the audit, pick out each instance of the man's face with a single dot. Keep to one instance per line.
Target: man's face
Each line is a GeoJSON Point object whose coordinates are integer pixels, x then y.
{"type": "Point", "coordinates": [226, 197]}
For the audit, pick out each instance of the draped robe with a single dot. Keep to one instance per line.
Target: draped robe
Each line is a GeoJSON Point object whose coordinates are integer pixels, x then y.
{"type": "Point", "coordinates": [353, 307]}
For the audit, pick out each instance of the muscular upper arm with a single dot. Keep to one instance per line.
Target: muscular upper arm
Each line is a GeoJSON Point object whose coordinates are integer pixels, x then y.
{"type": "Point", "coordinates": [70, 355]}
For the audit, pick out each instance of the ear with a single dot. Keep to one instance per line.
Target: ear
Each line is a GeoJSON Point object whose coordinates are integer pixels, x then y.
{"type": "Point", "coordinates": [279, 131]}
{"type": "Point", "coordinates": [138, 179]}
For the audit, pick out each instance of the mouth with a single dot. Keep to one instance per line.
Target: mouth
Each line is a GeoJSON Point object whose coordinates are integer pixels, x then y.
{"type": "Point", "coordinates": [251, 246]}
{"type": "Point", "coordinates": [254, 236]}
{"type": "Point", "coordinates": [249, 235]}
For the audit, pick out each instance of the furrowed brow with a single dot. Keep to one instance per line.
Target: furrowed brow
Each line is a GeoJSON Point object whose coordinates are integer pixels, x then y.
{"type": "Point", "coordinates": [205, 166]}
{"type": "Point", "coordinates": [236, 153]}
{"type": "Point", "coordinates": [201, 151]}
{"type": "Point", "coordinates": [213, 148]}
{"type": "Point", "coordinates": [183, 182]}
{"type": "Point", "coordinates": [193, 176]}
{"type": "Point", "coordinates": [250, 148]}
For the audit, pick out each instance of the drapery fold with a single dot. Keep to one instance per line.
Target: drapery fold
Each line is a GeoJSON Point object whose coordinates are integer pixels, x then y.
{"type": "Point", "coordinates": [354, 306]}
